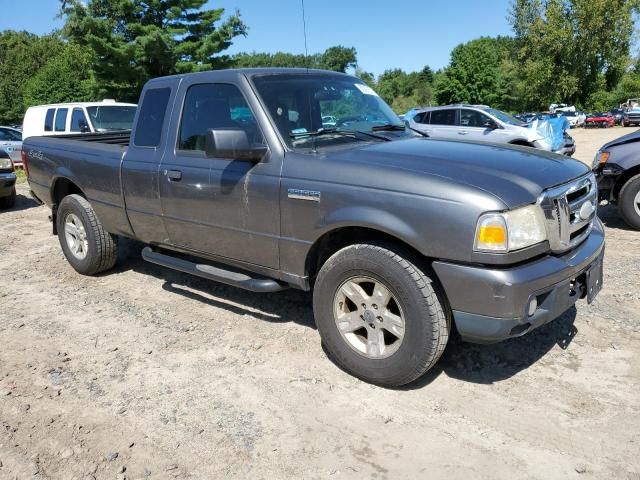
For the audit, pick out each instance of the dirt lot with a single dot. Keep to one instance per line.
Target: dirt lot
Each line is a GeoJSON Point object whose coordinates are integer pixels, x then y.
{"type": "Point", "coordinates": [147, 373]}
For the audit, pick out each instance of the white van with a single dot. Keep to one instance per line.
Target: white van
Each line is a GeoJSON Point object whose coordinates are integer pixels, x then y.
{"type": "Point", "coordinates": [84, 117]}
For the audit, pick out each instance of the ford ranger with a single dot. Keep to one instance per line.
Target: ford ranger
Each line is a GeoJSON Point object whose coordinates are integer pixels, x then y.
{"type": "Point", "coordinates": [233, 176]}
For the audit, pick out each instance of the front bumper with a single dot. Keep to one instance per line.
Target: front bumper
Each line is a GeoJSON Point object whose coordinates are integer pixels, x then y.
{"type": "Point", "coordinates": [490, 304]}
{"type": "Point", "coordinates": [607, 176]}
{"type": "Point", "coordinates": [7, 183]}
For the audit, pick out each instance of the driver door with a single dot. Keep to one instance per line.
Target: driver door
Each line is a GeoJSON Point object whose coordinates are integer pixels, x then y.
{"type": "Point", "coordinates": [216, 206]}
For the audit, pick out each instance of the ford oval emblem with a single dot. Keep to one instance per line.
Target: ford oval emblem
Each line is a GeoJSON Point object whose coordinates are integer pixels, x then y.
{"type": "Point", "coordinates": [586, 210]}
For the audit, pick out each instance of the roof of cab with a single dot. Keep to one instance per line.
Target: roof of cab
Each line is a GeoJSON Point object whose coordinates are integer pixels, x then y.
{"type": "Point", "coordinates": [250, 72]}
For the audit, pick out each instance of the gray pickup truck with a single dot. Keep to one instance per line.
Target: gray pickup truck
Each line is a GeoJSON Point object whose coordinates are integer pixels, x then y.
{"type": "Point", "coordinates": [232, 176]}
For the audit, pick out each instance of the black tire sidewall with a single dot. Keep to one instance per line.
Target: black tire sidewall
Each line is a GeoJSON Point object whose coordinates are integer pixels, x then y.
{"type": "Point", "coordinates": [625, 202]}
{"type": "Point", "coordinates": [70, 204]}
{"type": "Point", "coordinates": [418, 342]}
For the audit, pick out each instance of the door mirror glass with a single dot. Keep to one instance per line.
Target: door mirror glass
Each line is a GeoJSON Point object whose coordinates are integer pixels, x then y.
{"type": "Point", "coordinates": [232, 144]}
{"type": "Point", "coordinates": [84, 126]}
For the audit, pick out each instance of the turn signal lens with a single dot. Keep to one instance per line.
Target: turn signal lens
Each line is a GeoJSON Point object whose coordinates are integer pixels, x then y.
{"type": "Point", "coordinates": [492, 234]}
{"type": "Point", "coordinates": [604, 156]}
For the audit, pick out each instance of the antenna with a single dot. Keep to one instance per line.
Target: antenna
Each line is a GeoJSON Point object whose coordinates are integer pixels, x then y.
{"type": "Point", "coordinates": [304, 29]}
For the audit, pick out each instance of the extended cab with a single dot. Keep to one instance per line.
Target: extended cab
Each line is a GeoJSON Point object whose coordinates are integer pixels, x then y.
{"type": "Point", "coordinates": [233, 176]}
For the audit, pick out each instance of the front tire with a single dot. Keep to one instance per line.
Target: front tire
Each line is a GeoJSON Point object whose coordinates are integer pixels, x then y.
{"type": "Point", "coordinates": [379, 315]}
{"type": "Point", "coordinates": [88, 247]}
{"type": "Point", "coordinates": [629, 202]}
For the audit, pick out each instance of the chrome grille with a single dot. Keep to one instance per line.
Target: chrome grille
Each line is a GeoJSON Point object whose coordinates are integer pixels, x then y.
{"type": "Point", "coordinates": [569, 211]}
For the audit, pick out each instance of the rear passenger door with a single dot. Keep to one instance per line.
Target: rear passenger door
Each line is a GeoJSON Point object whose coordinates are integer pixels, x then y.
{"type": "Point", "coordinates": [443, 123]}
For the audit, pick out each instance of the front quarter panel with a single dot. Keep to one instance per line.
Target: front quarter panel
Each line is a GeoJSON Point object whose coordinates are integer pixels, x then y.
{"type": "Point", "coordinates": [435, 216]}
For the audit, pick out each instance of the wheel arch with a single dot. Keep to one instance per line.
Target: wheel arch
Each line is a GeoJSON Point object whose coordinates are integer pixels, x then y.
{"type": "Point", "coordinates": [628, 174]}
{"type": "Point", "coordinates": [342, 236]}
{"type": "Point", "coordinates": [62, 186]}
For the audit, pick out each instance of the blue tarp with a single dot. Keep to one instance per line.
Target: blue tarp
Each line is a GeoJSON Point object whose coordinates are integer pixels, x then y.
{"type": "Point", "coordinates": [552, 129]}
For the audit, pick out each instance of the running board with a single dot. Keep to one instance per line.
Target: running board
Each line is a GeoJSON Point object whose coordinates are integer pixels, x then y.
{"type": "Point", "coordinates": [235, 279]}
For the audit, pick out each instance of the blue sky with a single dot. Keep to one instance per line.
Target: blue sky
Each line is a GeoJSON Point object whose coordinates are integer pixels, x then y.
{"type": "Point", "coordinates": [406, 34]}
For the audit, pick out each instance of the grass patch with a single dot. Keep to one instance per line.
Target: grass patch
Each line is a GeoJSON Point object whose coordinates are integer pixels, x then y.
{"type": "Point", "coordinates": [22, 176]}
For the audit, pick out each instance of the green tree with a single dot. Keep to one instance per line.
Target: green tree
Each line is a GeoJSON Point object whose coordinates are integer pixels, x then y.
{"type": "Point", "coordinates": [566, 47]}
{"type": "Point", "coordinates": [67, 77]}
{"type": "Point", "coordinates": [135, 40]}
{"type": "Point", "coordinates": [22, 54]}
{"type": "Point", "coordinates": [336, 58]}
{"type": "Point", "coordinates": [475, 73]}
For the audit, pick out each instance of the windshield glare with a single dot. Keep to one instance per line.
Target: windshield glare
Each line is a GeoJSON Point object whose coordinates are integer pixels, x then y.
{"type": "Point", "coordinates": [300, 104]}
{"type": "Point", "coordinates": [113, 117]}
{"type": "Point", "coordinates": [504, 117]}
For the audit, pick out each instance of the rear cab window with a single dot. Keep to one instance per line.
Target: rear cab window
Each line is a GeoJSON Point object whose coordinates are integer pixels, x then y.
{"type": "Point", "coordinates": [151, 117]}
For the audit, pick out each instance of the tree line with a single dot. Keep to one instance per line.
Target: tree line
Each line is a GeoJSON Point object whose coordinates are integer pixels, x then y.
{"type": "Point", "coordinates": [570, 51]}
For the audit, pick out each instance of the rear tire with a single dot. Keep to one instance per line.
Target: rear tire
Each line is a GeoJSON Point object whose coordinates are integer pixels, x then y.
{"type": "Point", "coordinates": [371, 272]}
{"type": "Point", "coordinates": [629, 202]}
{"type": "Point", "coordinates": [88, 247]}
{"type": "Point", "coordinates": [9, 201]}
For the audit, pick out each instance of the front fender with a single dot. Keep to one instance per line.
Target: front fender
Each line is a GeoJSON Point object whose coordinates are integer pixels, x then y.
{"type": "Point", "coordinates": [375, 219]}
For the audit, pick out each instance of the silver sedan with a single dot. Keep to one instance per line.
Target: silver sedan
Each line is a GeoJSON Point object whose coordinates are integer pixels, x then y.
{"type": "Point", "coordinates": [11, 142]}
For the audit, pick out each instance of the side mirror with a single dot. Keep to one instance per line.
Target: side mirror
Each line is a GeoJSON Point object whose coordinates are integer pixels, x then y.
{"type": "Point", "coordinates": [232, 144]}
{"type": "Point", "coordinates": [490, 124]}
{"type": "Point", "coordinates": [84, 127]}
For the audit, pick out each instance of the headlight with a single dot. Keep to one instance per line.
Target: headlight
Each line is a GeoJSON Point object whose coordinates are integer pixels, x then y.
{"type": "Point", "coordinates": [5, 163]}
{"type": "Point", "coordinates": [508, 231]}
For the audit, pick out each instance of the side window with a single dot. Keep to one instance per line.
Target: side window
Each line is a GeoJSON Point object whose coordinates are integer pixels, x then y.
{"type": "Point", "coordinates": [422, 117]}
{"type": "Point", "coordinates": [473, 118]}
{"type": "Point", "coordinates": [61, 119]}
{"type": "Point", "coordinates": [79, 121]}
{"type": "Point", "coordinates": [443, 117]}
{"type": "Point", "coordinates": [48, 120]}
{"type": "Point", "coordinates": [214, 105]}
{"type": "Point", "coordinates": [151, 117]}
{"type": "Point", "coordinates": [4, 135]}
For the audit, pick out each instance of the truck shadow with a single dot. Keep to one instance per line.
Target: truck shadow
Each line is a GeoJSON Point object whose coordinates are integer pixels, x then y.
{"type": "Point", "coordinates": [487, 364]}
{"type": "Point", "coordinates": [281, 307]}
{"type": "Point", "coordinates": [483, 364]}
{"type": "Point", "coordinates": [611, 218]}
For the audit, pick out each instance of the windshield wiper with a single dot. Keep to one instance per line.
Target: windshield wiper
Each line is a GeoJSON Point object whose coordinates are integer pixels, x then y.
{"type": "Point", "coordinates": [338, 131]}
{"type": "Point", "coordinates": [388, 127]}
{"type": "Point", "coordinates": [392, 127]}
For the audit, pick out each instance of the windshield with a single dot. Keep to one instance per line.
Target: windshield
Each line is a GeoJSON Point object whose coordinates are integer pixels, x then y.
{"type": "Point", "coordinates": [112, 117]}
{"type": "Point", "coordinates": [504, 117]}
{"type": "Point", "coordinates": [314, 110]}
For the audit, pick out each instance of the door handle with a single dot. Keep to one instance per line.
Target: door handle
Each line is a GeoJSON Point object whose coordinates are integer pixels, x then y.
{"type": "Point", "coordinates": [462, 132]}
{"type": "Point", "coordinates": [173, 175]}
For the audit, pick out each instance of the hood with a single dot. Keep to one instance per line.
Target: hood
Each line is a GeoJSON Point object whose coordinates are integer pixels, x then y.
{"type": "Point", "coordinates": [516, 175]}
{"type": "Point", "coordinates": [628, 138]}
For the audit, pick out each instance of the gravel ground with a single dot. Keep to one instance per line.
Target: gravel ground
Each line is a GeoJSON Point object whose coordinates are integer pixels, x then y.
{"type": "Point", "coordinates": [148, 373]}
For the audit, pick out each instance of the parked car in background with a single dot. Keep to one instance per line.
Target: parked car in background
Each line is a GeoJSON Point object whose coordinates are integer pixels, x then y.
{"type": "Point", "coordinates": [74, 118]}
{"type": "Point", "coordinates": [631, 117]}
{"type": "Point", "coordinates": [618, 114]}
{"type": "Point", "coordinates": [481, 123]}
{"type": "Point", "coordinates": [397, 235]}
{"type": "Point", "coordinates": [7, 181]}
{"type": "Point", "coordinates": [11, 142]}
{"type": "Point", "coordinates": [601, 119]}
{"type": "Point", "coordinates": [575, 119]}
{"type": "Point", "coordinates": [617, 169]}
